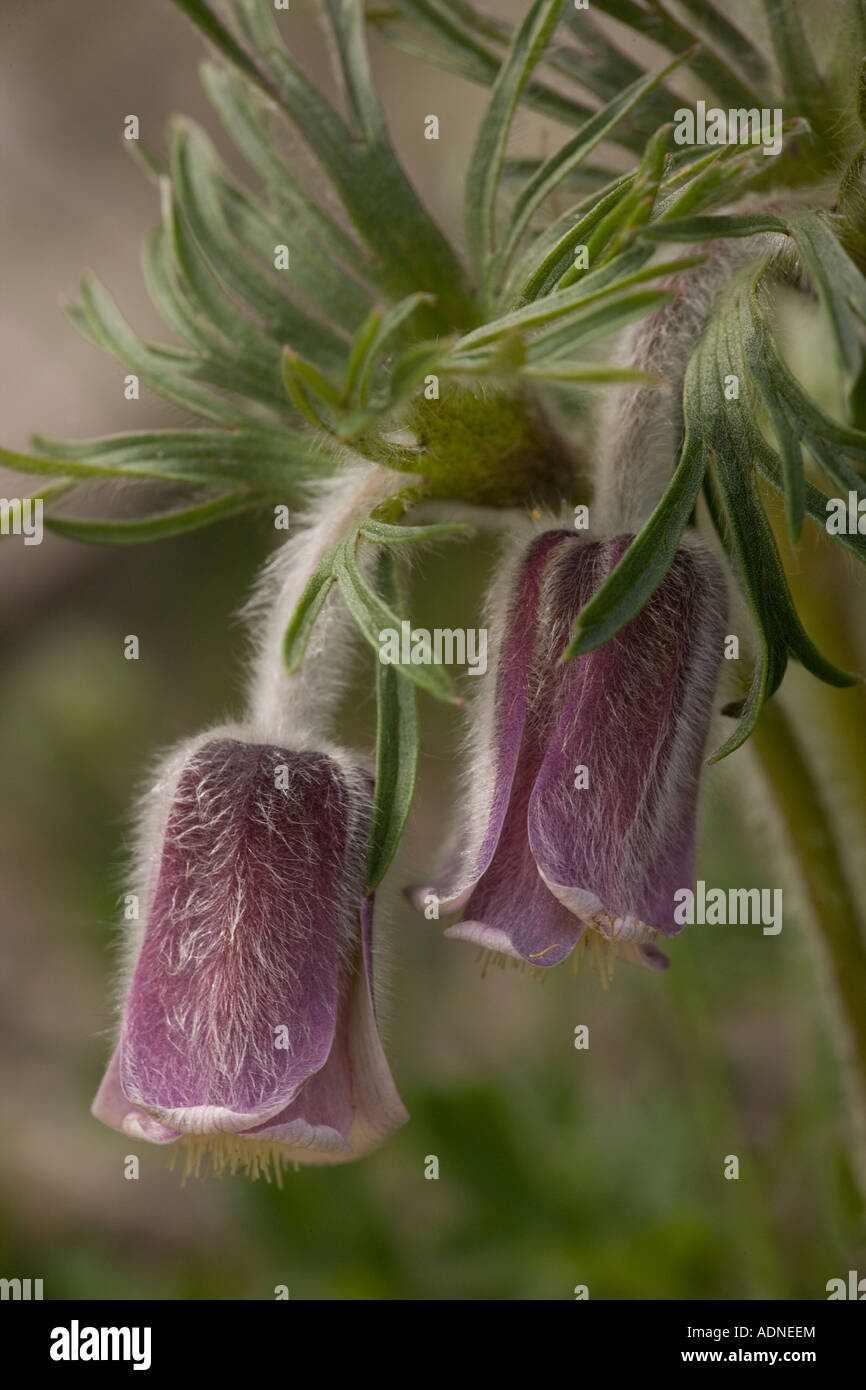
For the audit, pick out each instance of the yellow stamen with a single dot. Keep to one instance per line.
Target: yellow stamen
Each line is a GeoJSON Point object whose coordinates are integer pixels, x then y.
{"type": "Point", "coordinates": [214, 1155]}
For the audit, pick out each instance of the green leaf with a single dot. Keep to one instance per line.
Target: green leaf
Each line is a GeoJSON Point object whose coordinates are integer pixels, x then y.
{"type": "Point", "coordinates": [832, 463]}
{"type": "Point", "coordinates": [550, 175]}
{"type": "Point", "coordinates": [340, 301]}
{"type": "Point", "coordinates": [303, 381]}
{"type": "Point", "coordinates": [475, 64]}
{"type": "Point", "coordinates": [722, 176]}
{"type": "Point", "coordinates": [312, 378]}
{"type": "Point", "coordinates": [736, 341]}
{"type": "Point", "coordinates": [598, 284]}
{"type": "Point", "coordinates": [816, 501]}
{"type": "Point", "coordinates": [388, 326]}
{"type": "Point", "coordinates": [347, 21]}
{"type": "Point", "coordinates": [203, 16]}
{"type": "Point", "coordinates": [460, 50]}
{"type": "Point", "coordinates": [589, 372]}
{"type": "Point", "coordinates": [160, 368]}
{"type": "Point", "coordinates": [794, 415]}
{"type": "Point", "coordinates": [468, 22]}
{"type": "Point", "coordinates": [839, 285]}
{"type": "Point", "coordinates": [708, 228]}
{"type": "Point", "coordinates": [199, 185]}
{"type": "Point", "coordinates": [607, 242]}
{"type": "Point", "coordinates": [582, 180]}
{"type": "Point", "coordinates": [361, 344]}
{"type": "Point", "coordinates": [244, 375]}
{"type": "Point", "coordinates": [647, 184]}
{"type": "Point", "coordinates": [201, 287]}
{"type": "Point", "coordinates": [374, 617]}
{"type": "Point", "coordinates": [758, 346]}
{"type": "Point", "coordinates": [310, 605]}
{"type": "Point", "coordinates": [796, 61]}
{"type": "Point", "coordinates": [599, 62]}
{"type": "Point", "coordinates": [279, 463]}
{"type": "Point", "coordinates": [396, 748]}
{"type": "Point", "coordinates": [766, 588]}
{"type": "Point", "coordinates": [383, 533]}
{"type": "Point", "coordinates": [485, 165]}
{"type": "Point", "coordinates": [742, 54]}
{"type": "Point", "coordinates": [245, 118]}
{"type": "Point", "coordinates": [646, 562]}
{"type": "Point", "coordinates": [122, 531]}
{"type": "Point", "coordinates": [411, 251]}
{"type": "Point", "coordinates": [465, 34]}
{"type": "Point", "coordinates": [712, 67]}
{"type": "Point", "coordinates": [164, 291]}
{"type": "Point", "coordinates": [413, 365]}
{"type": "Point", "coordinates": [30, 463]}
{"type": "Point", "coordinates": [608, 317]}
{"type": "Point", "coordinates": [539, 270]}
{"type": "Point", "coordinates": [49, 492]}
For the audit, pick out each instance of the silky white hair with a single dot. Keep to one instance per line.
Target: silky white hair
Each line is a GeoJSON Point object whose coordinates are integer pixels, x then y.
{"type": "Point", "coordinates": [640, 429]}
{"type": "Point", "coordinates": [300, 707]}
{"type": "Point", "coordinates": [231, 931]}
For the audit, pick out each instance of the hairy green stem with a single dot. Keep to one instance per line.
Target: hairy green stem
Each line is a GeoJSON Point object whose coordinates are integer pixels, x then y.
{"type": "Point", "coordinates": [801, 804]}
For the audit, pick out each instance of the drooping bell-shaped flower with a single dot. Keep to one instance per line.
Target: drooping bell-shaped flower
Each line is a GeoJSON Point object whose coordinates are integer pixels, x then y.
{"type": "Point", "coordinates": [581, 795]}
{"type": "Point", "coordinates": [249, 1031]}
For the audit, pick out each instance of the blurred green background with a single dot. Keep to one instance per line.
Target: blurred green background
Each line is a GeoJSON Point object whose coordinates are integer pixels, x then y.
{"type": "Point", "coordinates": [557, 1167]}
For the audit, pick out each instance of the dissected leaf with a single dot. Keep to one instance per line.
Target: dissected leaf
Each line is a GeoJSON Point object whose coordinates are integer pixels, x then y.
{"type": "Point", "coordinates": [310, 605]}
{"type": "Point", "coordinates": [396, 747]}
{"type": "Point", "coordinates": [374, 617]}
{"type": "Point", "coordinates": [488, 154]}
{"type": "Point", "coordinates": [142, 529]}
{"type": "Point", "coordinates": [384, 533]}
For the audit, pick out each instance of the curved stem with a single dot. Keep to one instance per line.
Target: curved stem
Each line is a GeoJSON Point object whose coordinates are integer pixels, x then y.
{"type": "Point", "coordinates": [833, 905]}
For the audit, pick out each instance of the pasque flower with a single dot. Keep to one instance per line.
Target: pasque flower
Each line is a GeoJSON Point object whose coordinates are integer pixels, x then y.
{"type": "Point", "coordinates": [248, 1022]}
{"type": "Point", "coordinates": [249, 1029]}
{"type": "Point", "coordinates": [582, 782]}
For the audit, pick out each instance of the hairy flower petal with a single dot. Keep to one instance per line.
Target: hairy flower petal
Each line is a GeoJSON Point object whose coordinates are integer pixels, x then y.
{"type": "Point", "coordinates": [249, 1014]}
{"type": "Point", "coordinates": [587, 821]}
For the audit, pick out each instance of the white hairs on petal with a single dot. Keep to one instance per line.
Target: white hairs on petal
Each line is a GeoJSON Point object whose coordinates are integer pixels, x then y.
{"type": "Point", "coordinates": [668, 773]}
{"type": "Point", "coordinates": [158, 801]}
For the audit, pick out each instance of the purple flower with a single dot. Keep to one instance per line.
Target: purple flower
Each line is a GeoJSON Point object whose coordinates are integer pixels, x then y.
{"type": "Point", "coordinates": [249, 1031]}
{"type": "Point", "coordinates": [582, 784]}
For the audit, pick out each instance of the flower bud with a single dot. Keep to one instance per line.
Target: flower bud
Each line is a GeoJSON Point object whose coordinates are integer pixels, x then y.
{"type": "Point", "coordinates": [249, 1033]}
{"type": "Point", "coordinates": [582, 797]}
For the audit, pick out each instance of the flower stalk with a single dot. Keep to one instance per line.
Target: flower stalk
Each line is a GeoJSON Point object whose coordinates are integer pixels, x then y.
{"type": "Point", "coordinates": [800, 804]}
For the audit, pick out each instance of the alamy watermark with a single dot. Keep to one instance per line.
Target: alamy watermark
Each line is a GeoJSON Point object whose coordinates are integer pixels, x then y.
{"type": "Point", "coordinates": [717, 907]}
{"type": "Point", "coordinates": [846, 516]}
{"type": "Point", "coordinates": [76, 1343]}
{"type": "Point", "coordinates": [851, 1288]}
{"type": "Point", "coordinates": [21, 1290]}
{"type": "Point", "coordinates": [445, 646]}
{"type": "Point", "coordinates": [736, 126]}
{"type": "Point", "coordinates": [22, 516]}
